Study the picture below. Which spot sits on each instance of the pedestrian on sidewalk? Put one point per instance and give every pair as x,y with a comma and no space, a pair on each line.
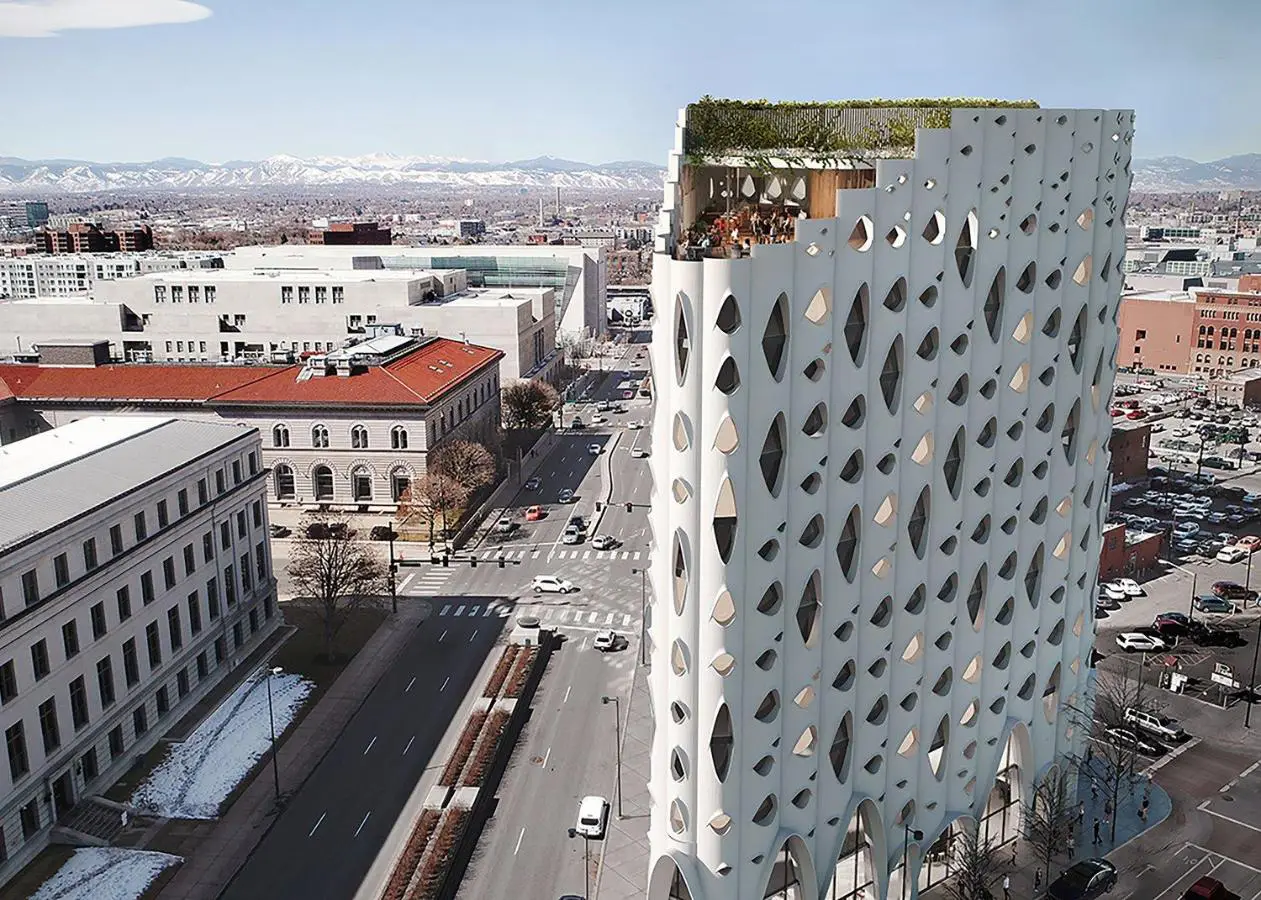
1094,790
1096,840
1107,809
1006,887
1090,753
1081,813
1142,810
1037,880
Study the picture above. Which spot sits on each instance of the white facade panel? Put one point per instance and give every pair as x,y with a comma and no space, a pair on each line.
877,537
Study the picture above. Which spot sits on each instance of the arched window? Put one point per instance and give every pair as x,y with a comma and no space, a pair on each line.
319,437
280,436
359,438
322,481
400,484
283,476
398,438
361,485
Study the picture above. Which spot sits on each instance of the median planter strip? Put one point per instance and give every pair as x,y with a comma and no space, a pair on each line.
405,869
468,738
487,747
433,870
502,668
521,672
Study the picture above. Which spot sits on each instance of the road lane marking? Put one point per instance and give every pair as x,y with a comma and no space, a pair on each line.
409,745
370,743
441,636
567,690
409,684
547,756
1203,807
444,683
473,635
363,823
520,838
406,581
311,833
1165,760
1225,858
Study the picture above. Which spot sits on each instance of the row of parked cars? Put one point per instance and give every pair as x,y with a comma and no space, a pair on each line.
1168,628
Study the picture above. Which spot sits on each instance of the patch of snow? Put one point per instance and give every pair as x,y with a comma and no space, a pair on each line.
105,873
198,774
1122,487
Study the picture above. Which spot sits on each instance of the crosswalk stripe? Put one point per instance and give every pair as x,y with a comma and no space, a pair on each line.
609,619
445,610
626,620
488,611
586,555
591,619
534,555
460,611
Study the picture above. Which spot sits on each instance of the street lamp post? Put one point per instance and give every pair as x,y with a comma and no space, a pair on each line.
1252,679
1194,579
617,736
393,568
643,614
908,833
271,718
586,861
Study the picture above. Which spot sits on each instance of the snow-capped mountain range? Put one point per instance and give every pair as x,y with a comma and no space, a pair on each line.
79,176
1169,174
1162,175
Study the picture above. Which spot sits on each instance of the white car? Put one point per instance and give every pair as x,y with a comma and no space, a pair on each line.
552,584
639,452
566,496
603,542
635,425
1131,587
1231,554
598,419
606,640
571,536
1113,592
593,816
1134,640
593,449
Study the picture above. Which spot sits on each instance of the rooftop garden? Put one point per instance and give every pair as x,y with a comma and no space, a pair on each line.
758,130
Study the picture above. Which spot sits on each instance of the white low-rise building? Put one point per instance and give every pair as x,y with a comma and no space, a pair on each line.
135,573
76,274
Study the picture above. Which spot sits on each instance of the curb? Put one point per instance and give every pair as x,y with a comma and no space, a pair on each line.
604,844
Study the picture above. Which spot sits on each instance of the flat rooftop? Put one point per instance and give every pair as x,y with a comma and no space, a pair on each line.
58,476
1163,296
291,276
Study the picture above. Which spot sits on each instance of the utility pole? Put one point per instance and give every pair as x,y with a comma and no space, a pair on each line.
643,614
271,718
617,736
393,568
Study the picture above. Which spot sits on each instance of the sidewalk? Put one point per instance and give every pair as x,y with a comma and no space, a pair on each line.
218,858
623,869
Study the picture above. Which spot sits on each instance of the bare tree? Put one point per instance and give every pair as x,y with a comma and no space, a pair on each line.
333,574
430,500
1112,749
974,865
1049,819
528,404
467,463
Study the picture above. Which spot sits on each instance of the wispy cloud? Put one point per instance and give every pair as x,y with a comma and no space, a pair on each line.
47,18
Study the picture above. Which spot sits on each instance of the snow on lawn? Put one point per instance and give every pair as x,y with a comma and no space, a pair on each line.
198,774
105,873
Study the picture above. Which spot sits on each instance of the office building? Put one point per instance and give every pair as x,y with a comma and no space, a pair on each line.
36,214
87,237
30,276
578,275
350,428
883,366
135,573
351,233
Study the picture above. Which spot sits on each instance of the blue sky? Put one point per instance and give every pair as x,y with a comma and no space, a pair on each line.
595,81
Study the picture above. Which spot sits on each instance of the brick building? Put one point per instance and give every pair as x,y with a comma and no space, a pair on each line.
88,237
352,233
1129,447
1127,554
1200,332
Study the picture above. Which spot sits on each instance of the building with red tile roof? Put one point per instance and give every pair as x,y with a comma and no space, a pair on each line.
351,428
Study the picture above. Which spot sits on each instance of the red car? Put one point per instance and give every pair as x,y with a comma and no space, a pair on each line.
534,513
1116,413
1207,889
1136,414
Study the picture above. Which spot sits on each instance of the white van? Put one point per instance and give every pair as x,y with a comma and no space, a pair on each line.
593,815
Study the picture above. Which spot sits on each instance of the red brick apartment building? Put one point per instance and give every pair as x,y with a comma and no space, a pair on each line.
352,233
1207,332
85,237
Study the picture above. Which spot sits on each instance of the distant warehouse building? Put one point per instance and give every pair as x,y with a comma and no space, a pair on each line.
135,572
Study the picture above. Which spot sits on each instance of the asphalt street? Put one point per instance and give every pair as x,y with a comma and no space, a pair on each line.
331,830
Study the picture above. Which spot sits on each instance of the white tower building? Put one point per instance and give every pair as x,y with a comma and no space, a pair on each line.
883,363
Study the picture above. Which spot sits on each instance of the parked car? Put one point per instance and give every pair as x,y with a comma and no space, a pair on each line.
1126,738
1171,624
1207,888
1131,587
382,533
566,496
1162,727
639,452
318,531
534,483
1233,590
594,449
1232,554
280,531
1131,641
604,542
1086,880
593,816
1216,637
1249,542
552,584
506,526
534,513
1211,603
1112,592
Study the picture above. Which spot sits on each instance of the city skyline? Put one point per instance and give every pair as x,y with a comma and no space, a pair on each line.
253,109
